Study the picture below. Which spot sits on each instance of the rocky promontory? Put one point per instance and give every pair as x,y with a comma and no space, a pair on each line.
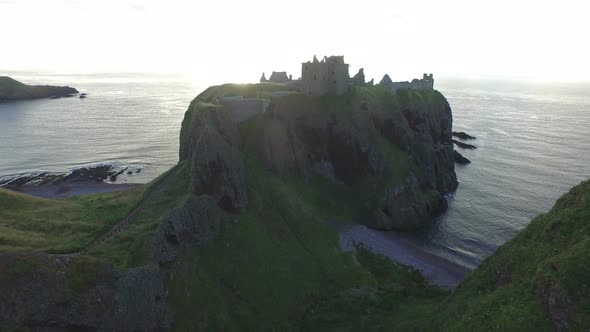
239,235
393,148
11,89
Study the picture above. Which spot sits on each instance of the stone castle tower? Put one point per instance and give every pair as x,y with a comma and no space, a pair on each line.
327,77
428,81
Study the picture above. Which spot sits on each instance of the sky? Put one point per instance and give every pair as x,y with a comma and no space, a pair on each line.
222,40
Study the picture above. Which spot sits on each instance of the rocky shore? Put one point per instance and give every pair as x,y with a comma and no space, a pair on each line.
81,181
435,269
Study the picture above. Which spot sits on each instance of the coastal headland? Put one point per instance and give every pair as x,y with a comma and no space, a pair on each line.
241,233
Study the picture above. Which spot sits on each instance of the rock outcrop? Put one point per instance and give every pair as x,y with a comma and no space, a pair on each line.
408,206
463,135
460,159
464,145
11,89
209,137
49,293
195,223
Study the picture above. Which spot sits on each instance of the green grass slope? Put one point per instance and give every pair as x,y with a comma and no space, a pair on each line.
267,265
11,88
539,281
31,223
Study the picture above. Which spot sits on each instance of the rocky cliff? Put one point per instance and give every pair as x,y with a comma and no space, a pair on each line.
393,148
11,89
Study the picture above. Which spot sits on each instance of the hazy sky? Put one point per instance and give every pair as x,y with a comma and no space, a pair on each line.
225,40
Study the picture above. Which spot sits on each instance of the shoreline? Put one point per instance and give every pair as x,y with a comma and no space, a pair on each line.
436,270
93,179
72,189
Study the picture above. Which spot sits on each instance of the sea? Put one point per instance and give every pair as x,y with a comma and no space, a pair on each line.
533,145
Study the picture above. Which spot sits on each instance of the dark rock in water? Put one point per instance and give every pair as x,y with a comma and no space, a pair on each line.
16,182
82,96
463,135
96,173
195,223
138,170
113,177
459,159
464,145
11,89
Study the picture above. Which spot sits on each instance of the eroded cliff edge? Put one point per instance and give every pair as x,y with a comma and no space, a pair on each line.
394,149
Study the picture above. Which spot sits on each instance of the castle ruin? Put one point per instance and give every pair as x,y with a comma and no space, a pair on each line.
427,82
330,77
326,77
277,77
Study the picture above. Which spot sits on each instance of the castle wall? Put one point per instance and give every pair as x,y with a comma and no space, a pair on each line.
427,82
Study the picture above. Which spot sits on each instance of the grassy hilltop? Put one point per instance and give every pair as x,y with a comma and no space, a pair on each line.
275,264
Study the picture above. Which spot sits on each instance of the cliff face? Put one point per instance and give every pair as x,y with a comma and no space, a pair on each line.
394,149
11,89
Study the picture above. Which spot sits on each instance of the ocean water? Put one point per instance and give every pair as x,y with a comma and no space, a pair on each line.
127,120
533,145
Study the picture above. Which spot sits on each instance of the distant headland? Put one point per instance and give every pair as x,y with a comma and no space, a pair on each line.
11,89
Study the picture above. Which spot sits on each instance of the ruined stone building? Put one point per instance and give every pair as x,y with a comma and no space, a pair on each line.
326,77
330,77
427,82
277,77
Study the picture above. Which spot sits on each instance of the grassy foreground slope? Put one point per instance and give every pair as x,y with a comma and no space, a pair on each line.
539,281
279,260
29,223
